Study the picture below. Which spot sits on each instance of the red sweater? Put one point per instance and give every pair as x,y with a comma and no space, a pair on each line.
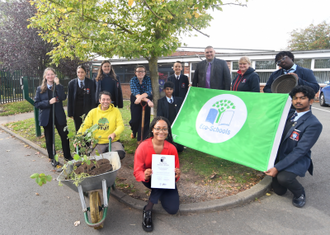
143,157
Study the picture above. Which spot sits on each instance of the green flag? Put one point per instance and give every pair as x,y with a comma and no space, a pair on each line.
242,127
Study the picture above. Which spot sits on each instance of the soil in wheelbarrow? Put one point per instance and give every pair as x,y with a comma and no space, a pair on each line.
95,168
192,187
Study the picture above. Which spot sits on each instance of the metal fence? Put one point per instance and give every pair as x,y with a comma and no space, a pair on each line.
10,86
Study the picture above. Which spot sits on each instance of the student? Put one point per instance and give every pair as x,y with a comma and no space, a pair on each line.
108,80
141,96
294,154
180,81
81,96
159,142
285,61
44,100
169,106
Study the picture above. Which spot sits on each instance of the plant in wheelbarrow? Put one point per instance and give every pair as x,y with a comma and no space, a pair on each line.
95,187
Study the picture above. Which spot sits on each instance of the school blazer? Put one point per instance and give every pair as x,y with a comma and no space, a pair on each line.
89,96
294,154
41,101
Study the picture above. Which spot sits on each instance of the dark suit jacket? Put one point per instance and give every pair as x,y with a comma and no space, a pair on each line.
162,108
294,154
306,77
41,101
220,75
89,96
183,84
117,98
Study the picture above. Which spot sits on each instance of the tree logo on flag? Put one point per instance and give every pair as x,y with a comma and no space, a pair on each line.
221,118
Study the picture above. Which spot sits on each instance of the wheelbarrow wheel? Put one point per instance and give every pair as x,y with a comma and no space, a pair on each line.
95,208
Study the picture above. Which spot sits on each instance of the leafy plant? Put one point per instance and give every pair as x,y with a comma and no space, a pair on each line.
41,179
84,143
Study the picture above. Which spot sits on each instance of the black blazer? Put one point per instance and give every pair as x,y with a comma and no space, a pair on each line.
162,108
41,101
183,84
306,77
117,98
220,75
89,96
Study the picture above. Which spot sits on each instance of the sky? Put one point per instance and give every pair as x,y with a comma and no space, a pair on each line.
263,24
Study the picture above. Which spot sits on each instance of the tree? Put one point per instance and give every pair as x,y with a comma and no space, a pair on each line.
125,28
314,37
21,48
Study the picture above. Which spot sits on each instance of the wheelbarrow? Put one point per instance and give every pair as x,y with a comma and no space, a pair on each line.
92,187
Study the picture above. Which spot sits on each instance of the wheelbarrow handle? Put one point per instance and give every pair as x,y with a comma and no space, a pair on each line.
110,144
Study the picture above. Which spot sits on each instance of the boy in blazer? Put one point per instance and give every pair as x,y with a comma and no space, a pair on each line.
180,81
293,159
169,106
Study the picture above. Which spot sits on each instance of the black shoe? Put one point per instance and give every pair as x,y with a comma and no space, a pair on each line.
299,201
147,221
54,163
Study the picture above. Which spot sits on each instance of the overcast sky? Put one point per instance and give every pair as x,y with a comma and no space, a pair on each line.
263,24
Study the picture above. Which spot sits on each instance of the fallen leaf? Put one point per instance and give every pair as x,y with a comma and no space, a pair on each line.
37,153
37,194
76,223
213,175
33,160
26,145
27,155
8,150
268,194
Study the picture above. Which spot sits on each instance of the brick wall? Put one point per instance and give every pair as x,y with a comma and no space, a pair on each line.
126,91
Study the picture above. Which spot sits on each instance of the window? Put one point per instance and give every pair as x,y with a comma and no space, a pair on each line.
235,66
306,63
322,76
322,63
265,64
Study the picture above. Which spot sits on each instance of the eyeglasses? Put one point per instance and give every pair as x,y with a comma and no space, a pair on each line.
281,60
140,71
160,129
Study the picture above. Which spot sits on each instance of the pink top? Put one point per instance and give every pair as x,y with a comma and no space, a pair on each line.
143,157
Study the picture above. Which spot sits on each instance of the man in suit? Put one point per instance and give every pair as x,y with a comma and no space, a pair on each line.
169,106
285,60
179,80
212,72
293,159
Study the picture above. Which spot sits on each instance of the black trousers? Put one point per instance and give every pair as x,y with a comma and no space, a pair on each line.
136,119
48,131
168,197
77,121
287,180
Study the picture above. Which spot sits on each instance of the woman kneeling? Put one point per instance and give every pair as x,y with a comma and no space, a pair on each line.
159,142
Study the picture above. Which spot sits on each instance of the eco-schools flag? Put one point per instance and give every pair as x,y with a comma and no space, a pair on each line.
242,127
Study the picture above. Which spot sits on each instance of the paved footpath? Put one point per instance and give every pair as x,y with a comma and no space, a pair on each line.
55,209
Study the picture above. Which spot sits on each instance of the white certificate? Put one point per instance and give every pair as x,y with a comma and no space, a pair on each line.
163,171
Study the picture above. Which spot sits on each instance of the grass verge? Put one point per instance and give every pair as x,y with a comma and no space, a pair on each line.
18,107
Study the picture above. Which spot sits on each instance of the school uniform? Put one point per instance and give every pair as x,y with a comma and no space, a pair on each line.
169,108
181,85
81,99
41,101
